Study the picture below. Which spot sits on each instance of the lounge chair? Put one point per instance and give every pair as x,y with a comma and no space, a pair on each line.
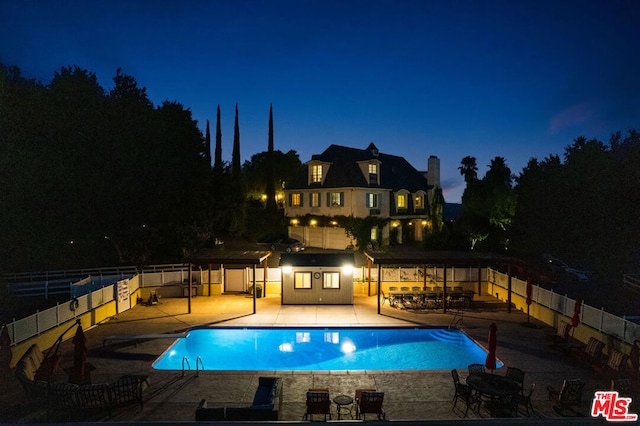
318,402
561,336
476,369
569,395
369,402
614,366
462,391
591,353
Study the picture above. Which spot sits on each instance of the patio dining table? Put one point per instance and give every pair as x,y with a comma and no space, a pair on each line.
427,298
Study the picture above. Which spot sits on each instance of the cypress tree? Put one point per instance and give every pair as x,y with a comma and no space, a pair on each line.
235,158
208,145
270,187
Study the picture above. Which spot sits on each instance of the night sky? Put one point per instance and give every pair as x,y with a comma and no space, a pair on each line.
516,79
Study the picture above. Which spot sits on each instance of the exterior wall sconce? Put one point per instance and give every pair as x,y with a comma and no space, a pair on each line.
294,222
313,222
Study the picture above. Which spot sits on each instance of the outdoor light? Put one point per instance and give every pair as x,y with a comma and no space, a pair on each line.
424,223
313,222
294,221
347,269
347,347
264,197
334,223
395,224
286,347
286,269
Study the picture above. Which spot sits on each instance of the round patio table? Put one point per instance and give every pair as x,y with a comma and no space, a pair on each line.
342,402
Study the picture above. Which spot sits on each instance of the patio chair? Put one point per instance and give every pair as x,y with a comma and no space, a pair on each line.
589,354
506,406
517,375
476,369
462,391
525,399
318,402
614,366
561,335
569,395
369,402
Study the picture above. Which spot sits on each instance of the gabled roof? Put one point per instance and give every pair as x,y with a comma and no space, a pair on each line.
395,172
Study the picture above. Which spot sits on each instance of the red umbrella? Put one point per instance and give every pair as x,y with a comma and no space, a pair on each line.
5,352
490,362
79,357
576,313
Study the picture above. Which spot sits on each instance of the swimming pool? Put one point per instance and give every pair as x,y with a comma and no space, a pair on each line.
388,348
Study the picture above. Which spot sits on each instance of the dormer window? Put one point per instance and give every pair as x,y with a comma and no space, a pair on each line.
402,201
316,173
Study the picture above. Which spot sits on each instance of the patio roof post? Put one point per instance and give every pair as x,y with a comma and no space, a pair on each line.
444,290
369,277
189,277
255,290
379,288
265,273
479,279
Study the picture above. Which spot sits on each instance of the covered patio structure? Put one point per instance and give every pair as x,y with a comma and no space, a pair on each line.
445,259
220,257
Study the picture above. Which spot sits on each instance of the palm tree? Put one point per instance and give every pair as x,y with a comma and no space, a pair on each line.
469,169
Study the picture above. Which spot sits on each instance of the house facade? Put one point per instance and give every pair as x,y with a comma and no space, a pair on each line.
344,182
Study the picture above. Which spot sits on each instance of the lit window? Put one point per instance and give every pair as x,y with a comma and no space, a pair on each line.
419,202
372,201
374,233
402,201
373,169
302,280
296,200
331,280
336,199
315,199
316,173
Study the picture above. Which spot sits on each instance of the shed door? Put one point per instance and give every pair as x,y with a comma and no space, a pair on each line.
234,281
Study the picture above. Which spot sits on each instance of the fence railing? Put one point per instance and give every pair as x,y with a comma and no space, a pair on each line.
33,325
632,281
596,318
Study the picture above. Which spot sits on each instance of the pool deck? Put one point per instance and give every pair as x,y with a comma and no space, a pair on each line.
409,396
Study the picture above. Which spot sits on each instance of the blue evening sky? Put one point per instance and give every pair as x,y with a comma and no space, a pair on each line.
516,79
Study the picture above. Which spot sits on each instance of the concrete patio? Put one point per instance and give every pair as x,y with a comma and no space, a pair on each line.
413,396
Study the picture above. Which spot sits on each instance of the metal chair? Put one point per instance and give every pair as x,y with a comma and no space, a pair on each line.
525,399
462,391
369,402
318,402
476,369
517,375
569,395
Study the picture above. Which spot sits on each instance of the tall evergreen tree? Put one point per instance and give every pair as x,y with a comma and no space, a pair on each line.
235,156
270,187
217,165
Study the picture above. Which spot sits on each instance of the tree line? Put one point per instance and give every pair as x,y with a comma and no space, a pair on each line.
93,177
583,208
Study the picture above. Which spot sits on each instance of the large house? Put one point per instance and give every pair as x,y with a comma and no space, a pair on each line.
344,182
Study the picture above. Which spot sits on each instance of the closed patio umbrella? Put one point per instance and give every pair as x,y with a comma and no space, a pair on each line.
5,353
575,320
79,357
490,362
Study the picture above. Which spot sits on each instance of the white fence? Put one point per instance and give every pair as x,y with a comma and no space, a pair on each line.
598,319
25,328
595,318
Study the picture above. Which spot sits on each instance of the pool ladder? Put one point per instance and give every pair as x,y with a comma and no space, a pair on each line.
460,320
199,363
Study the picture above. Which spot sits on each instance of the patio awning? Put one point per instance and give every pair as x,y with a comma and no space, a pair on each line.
228,257
447,258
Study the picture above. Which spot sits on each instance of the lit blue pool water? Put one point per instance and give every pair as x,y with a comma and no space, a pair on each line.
323,349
